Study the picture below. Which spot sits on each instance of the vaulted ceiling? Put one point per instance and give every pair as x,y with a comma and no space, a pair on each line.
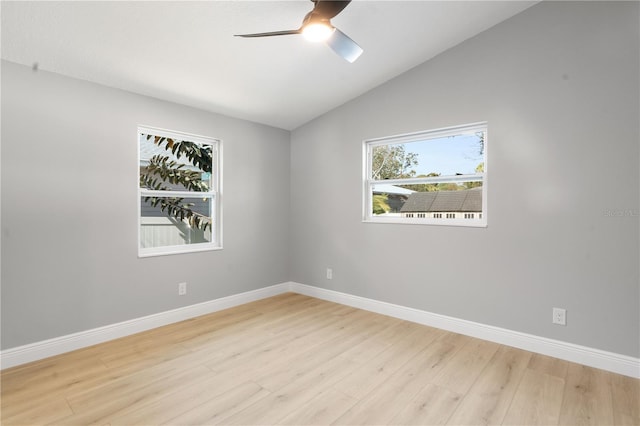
185,52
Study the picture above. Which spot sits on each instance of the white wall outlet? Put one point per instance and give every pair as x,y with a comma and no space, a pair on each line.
560,316
182,289
329,273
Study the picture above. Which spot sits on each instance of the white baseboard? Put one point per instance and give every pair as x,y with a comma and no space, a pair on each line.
46,348
620,364
616,363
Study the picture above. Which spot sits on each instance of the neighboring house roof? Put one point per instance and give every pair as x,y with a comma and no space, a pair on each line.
469,200
384,188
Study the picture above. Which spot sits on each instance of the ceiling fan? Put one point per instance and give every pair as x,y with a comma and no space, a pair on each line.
316,26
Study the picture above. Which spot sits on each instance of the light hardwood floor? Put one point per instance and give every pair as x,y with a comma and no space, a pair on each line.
296,360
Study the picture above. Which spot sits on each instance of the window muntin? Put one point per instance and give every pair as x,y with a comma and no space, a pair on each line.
432,177
179,205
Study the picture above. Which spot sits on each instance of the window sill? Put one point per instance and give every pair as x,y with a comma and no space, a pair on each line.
169,250
467,223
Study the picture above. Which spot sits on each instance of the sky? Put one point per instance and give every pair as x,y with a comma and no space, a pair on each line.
447,155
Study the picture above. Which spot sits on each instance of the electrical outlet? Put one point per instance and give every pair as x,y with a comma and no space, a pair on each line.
329,273
560,316
182,289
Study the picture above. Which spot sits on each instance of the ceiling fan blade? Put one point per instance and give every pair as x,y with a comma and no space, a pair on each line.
270,34
327,9
340,43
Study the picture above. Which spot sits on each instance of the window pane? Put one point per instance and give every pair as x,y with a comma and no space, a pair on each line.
428,177
460,200
171,164
444,156
170,221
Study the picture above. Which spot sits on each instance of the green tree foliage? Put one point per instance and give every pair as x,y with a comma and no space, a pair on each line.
162,172
423,187
198,155
380,204
469,185
392,162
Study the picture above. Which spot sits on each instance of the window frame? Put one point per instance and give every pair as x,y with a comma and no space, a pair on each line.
367,199
214,194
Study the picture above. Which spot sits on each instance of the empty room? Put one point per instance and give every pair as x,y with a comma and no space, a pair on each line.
320,212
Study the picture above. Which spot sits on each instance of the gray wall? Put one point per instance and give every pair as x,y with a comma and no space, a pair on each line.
69,206
558,85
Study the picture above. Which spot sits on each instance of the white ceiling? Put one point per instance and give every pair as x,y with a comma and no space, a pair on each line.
185,52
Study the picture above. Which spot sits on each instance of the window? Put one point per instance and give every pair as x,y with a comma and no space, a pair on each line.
422,177
179,192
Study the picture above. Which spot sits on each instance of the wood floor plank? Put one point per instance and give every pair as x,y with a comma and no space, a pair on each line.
40,412
358,331
226,404
488,399
238,346
280,318
537,400
625,393
174,404
49,376
152,344
293,359
102,404
265,323
432,405
147,372
266,347
407,343
380,338
459,374
587,397
382,404
626,400
275,407
324,409
547,365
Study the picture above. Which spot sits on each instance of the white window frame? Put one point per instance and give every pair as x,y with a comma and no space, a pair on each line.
368,181
215,194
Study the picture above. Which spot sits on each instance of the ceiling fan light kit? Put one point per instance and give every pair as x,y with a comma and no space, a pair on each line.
316,32
316,26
